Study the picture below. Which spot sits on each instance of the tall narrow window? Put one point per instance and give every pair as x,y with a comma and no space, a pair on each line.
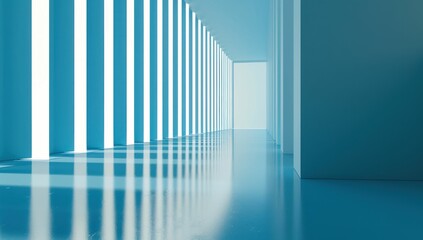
40,79
204,50
180,65
213,80
146,71
187,68
80,81
212,114
199,78
159,69
208,81
130,71
220,86
194,70
170,66
108,73
223,91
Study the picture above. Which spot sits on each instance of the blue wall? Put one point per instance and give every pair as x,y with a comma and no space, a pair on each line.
15,75
165,57
288,76
153,70
239,25
139,71
61,76
119,72
15,79
95,74
361,89
280,82
175,68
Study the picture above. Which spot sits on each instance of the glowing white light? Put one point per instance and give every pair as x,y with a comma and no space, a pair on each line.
220,87
213,87
199,78
159,70
187,69
204,80
130,68
208,81
223,90
108,73
170,64
146,71
194,69
40,79
179,68
80,81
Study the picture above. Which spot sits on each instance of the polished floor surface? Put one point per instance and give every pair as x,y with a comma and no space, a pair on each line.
227,185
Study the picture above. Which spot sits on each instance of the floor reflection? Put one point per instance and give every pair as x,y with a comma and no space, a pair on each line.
80,201
227,185
40,201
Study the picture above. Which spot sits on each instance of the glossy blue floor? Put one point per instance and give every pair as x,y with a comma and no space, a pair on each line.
227,185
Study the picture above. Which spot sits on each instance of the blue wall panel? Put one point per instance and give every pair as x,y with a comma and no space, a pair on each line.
189,131
184,122
61,76
2,80
165,70
15,79
196,78
153,70
119,73
207,83
175,67
279,80
139,71
288,77
95,74
361,89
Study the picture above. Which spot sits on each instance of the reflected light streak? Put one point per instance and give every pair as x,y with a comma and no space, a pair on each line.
186,203
170,193
80,216
108,223
192,177
146,201
40,215
179,185
129,228
159,195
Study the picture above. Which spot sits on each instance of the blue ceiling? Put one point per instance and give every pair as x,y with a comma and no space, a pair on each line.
240,26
